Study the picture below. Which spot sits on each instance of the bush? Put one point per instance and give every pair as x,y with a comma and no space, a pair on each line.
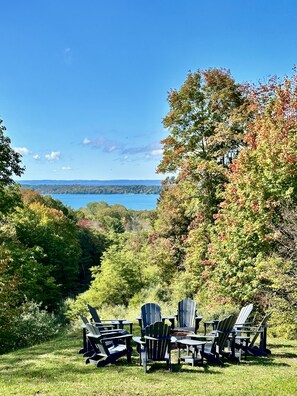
31,325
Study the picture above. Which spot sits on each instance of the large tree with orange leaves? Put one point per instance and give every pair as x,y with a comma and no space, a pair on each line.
262,180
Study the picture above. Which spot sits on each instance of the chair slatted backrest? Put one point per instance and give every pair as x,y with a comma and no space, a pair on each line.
83,318
97,343
150,313
95,316
158,347
260,328
186,312
243,315
224,328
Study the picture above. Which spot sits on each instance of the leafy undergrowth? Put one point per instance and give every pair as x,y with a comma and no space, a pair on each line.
55,368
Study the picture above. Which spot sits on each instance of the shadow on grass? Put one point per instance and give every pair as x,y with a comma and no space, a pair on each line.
286,355
282,346
264,361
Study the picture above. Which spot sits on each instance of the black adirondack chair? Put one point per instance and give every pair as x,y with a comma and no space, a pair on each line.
109,323
215,348
187,319
87,349
259,331
150,313
107,349
103,325
155,345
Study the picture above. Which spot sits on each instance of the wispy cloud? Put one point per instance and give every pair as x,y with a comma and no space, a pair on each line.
36,156
66,168
22,150
53,156
156,152
125,151
68,56
104,144
86,141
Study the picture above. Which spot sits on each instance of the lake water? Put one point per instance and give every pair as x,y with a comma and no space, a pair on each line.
130,201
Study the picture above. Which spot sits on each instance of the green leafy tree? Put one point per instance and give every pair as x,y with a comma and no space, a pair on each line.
49,229
206,124
10,161
10,165
120,275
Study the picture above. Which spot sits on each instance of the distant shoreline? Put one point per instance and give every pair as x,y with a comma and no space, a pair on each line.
115,182
47,189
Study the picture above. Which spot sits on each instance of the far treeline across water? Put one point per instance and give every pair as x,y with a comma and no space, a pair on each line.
92,189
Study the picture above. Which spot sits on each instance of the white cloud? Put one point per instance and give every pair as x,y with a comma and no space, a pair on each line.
54,155
36,156
157,152
22,150
66,168
86,141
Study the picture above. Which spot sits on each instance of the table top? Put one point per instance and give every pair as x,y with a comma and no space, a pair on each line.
189,342
123,321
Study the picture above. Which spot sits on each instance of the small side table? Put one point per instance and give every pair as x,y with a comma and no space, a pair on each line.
120,323
190,357
213,323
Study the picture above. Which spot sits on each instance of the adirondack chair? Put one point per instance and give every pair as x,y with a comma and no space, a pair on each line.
150,313
258,331
241,319
215,348
187,319
87,349
109,323
155,345
243,316
97,321
110,353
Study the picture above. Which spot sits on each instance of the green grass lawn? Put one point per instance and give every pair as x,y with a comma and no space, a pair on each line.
55,368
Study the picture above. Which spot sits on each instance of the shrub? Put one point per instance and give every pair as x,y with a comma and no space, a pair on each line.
31,325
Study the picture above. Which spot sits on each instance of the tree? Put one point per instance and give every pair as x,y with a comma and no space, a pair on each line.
120,275
206,124
49,229
9,160
10,165
262,179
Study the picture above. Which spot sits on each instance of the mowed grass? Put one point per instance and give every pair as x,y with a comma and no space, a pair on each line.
55,368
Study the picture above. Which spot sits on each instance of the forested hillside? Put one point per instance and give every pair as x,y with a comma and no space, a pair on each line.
82,189
223,233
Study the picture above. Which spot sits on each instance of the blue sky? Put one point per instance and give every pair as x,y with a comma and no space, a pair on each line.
83,84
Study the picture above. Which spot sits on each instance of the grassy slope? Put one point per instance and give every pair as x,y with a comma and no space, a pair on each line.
55,368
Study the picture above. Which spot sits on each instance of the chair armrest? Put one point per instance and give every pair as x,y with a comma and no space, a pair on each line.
139,340
202,337
118,337
151,338
110,331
